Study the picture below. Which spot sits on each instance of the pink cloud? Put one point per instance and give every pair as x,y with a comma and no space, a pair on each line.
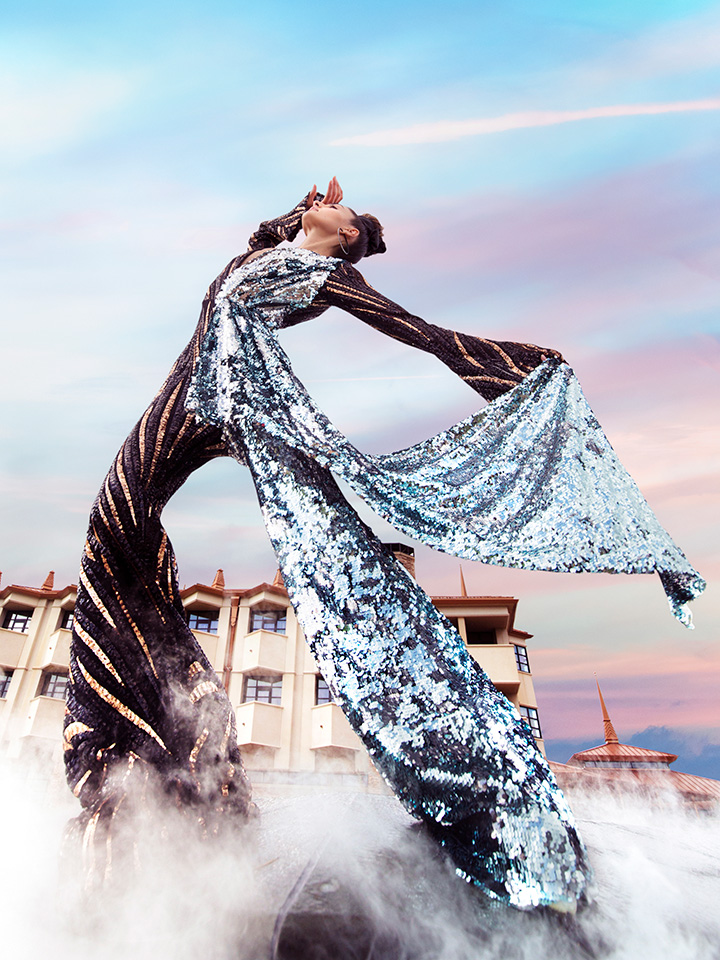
442,131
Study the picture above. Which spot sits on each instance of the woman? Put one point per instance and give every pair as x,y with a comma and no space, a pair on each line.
530,481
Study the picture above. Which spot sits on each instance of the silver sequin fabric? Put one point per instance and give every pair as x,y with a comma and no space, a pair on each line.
530,481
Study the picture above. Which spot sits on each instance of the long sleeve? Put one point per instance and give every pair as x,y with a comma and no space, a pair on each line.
286,227
491,367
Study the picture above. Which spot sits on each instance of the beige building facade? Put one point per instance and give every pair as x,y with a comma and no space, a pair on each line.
294,739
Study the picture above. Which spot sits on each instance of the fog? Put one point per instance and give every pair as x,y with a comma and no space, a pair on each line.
342,876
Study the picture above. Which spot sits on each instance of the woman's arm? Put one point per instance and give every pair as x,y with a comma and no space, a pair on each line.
272,232
491,367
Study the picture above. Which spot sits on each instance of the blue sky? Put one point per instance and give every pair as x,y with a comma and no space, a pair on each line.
143,142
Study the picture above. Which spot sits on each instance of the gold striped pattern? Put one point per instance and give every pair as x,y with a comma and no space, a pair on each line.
202,690
226,738
199,744
98,651
104,516
142,434
496,348
195,667
135,629
73,729
111,501
124,485
160,436
95,598
120,707
186,423
81,783
375,306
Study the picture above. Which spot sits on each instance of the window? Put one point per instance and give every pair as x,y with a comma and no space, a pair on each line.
5,678
521,658
54,685
530,716
273,620
322,691
18,620
66,620
263,689
204,620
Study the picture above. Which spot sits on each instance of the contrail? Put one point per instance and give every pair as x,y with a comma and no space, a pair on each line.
445,130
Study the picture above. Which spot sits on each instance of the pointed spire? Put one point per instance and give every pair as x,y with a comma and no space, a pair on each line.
219,580
463,588
608,728
278,579
49,581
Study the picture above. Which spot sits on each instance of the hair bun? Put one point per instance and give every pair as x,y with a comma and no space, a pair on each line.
375,242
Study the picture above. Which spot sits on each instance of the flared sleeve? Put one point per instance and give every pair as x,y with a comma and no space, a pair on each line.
490,367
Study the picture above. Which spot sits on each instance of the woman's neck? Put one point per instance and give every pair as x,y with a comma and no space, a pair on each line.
326,246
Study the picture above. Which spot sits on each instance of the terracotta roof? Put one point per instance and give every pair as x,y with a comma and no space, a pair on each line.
224,592
692,788
700,791
616,752
37,591
475,601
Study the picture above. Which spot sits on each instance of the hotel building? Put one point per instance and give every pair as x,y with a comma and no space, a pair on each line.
294,739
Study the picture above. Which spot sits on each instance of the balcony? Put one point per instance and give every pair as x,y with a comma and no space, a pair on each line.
263,652
209,644
57,652
330,729
498,662
259,724
45,718
11,647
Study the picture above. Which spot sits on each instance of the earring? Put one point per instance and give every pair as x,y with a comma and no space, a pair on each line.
345,249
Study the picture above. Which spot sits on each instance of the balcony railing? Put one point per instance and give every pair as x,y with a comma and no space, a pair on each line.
209,644
263,652
57,651
45,718
498,662
11,647
330,729
260,724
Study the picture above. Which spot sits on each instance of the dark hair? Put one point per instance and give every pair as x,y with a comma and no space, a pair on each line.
369,239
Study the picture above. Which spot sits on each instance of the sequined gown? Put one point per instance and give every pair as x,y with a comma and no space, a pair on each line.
530,481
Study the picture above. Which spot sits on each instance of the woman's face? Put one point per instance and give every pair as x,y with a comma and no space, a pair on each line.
327,217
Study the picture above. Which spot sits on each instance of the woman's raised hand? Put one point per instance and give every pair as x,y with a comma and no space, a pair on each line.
334,193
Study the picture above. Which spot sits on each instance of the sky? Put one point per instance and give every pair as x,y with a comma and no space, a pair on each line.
545,172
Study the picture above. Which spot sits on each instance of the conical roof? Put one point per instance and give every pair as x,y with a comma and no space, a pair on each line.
613,753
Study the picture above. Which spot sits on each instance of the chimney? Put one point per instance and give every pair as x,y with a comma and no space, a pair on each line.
49,581
219,580
404,555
